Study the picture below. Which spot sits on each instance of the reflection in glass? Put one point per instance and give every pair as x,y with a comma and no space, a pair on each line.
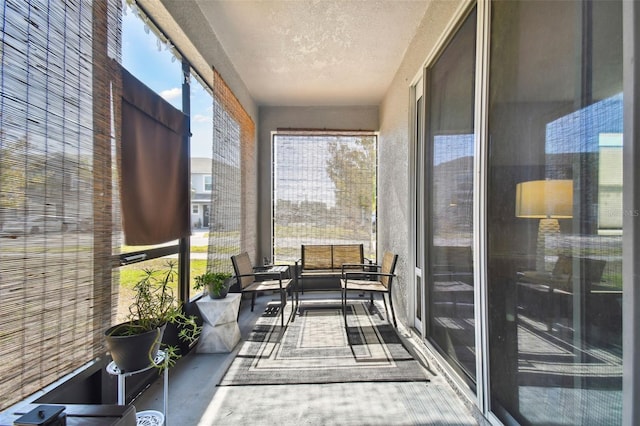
450,94
555,124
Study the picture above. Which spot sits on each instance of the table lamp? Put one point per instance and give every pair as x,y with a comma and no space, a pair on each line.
547,200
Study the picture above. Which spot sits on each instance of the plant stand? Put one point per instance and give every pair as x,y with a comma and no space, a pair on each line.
146,417
220,330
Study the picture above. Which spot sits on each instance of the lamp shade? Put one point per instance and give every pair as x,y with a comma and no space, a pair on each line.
540,199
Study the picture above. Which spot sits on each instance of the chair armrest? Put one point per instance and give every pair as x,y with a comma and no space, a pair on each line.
268,274
376,274
244,275
259,274
277,275
359,265
274,274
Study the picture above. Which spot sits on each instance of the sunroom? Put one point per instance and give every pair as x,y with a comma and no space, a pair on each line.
490,145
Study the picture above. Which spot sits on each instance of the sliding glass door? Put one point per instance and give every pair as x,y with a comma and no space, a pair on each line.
554,211
449,191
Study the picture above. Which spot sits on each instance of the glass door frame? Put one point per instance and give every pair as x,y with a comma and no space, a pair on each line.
416,302
631,226
418,203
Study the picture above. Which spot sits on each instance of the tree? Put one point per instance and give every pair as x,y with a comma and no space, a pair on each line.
13,182
351,166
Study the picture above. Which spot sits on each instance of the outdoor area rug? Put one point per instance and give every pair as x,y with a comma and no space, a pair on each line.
315,349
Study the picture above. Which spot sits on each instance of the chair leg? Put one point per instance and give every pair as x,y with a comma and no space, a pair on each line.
292,316
384,302
344,305
393,314
283,303
295,301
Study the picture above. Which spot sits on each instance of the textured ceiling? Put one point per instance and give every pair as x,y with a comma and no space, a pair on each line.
324,52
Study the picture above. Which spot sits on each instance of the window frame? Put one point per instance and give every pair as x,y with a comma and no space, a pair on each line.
319,133
206,178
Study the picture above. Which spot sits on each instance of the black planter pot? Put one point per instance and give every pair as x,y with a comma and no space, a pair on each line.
133,352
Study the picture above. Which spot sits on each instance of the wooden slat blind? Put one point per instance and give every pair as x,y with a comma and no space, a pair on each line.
324,190
233,206
54,147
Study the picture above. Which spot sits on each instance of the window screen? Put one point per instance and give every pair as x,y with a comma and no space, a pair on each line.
324,192
233,201
55,188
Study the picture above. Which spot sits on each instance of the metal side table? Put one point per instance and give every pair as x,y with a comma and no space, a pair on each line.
146,417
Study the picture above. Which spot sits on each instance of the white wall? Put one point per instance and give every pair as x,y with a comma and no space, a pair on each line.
393,173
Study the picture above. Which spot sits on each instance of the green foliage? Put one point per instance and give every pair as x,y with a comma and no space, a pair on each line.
215,281
13,180
154,304
352,170
131,274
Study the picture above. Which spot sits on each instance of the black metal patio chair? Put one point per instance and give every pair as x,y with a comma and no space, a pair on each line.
376,279
247,275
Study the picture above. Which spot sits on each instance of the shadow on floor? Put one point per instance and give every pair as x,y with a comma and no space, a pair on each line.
195,398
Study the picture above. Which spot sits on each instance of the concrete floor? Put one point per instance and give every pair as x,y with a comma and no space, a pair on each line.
195,398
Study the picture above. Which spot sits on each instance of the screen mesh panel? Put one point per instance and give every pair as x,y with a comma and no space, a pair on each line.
55,188
233,195
324,191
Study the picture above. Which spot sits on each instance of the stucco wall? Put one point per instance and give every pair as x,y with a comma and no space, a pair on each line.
319,118
394,146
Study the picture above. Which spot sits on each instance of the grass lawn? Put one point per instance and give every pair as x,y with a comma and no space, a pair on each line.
131,274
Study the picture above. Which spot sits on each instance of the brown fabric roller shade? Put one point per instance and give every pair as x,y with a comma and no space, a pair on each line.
154,168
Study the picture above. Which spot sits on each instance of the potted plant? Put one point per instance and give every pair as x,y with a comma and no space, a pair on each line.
217,283
134,344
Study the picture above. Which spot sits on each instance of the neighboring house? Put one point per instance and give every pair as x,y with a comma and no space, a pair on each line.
201,188
211,208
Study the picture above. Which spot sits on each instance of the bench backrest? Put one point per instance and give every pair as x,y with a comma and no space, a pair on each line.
330,256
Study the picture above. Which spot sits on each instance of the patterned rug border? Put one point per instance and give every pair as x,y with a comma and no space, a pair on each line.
372,351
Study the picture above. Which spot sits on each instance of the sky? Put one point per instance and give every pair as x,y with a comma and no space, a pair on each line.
151,62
